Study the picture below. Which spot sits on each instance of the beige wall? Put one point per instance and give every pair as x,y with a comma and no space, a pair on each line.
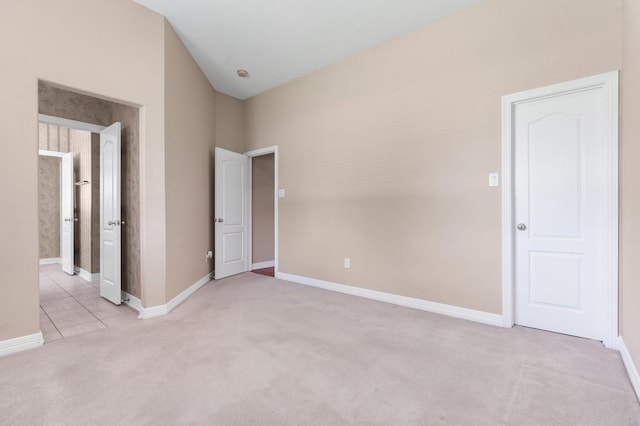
190,133
122,58
262,208
230,133
629,178
49,206
385,156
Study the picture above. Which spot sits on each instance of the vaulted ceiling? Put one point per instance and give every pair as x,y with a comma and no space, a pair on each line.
277,41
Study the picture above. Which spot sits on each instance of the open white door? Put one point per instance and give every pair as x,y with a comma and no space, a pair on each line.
110,220
231,213
66,213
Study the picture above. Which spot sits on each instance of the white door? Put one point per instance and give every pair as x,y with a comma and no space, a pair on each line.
110,220
66,213
231,213
560,205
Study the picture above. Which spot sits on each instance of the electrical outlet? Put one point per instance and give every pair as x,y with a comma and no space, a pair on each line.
347,262
209,255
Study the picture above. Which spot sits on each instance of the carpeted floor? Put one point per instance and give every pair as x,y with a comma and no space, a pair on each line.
254,350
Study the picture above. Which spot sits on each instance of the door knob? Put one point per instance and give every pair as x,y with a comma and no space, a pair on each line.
521,226
112,222
218,220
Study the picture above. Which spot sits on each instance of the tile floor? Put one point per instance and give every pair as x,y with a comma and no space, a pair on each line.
70,305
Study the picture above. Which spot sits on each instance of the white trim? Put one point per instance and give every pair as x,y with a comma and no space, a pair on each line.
634,377
22,343
256,153
184,295
152,312
48,153
50,261
132,301
156,311
261,265
609,83
409,302
249,252
72,124
86,275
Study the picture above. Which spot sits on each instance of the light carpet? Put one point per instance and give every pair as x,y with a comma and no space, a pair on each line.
253,350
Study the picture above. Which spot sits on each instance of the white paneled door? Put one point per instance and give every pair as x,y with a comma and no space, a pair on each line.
67,213
231,213
110,214
560,179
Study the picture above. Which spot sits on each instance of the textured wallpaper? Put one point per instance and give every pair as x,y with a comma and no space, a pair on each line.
95,202
128,116
49,206
74,106
81,147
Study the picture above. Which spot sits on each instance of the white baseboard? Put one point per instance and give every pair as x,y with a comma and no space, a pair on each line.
18,344
132,301
260,265
51,261
409,302
156,311
176,301
143,313
86,275
631,368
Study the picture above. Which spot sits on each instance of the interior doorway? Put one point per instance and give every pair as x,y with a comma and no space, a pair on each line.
69,186
71,122
246,235
264,199
263,214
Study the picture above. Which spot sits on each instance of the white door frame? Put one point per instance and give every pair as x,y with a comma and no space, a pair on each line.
71,124
609,83
257,153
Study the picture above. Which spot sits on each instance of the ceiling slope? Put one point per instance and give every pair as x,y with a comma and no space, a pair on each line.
277,41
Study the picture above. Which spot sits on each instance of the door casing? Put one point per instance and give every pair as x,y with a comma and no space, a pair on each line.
609,83
257,153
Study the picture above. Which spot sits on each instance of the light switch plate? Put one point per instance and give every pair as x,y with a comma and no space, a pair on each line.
494,179
281,193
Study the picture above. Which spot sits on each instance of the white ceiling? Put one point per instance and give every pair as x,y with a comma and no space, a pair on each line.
280,40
